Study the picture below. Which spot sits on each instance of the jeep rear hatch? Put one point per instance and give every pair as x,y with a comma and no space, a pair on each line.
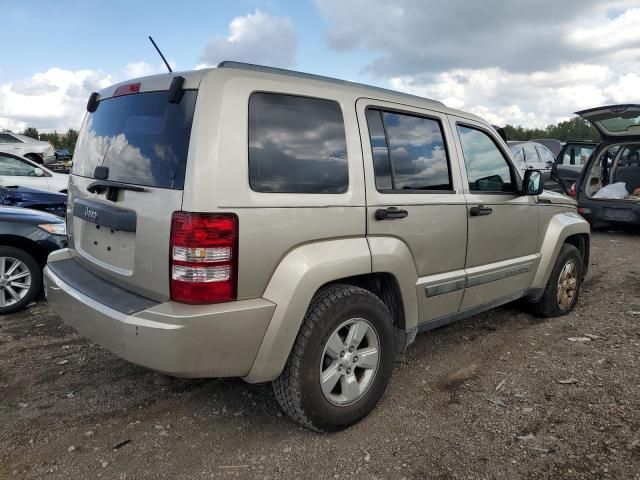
127,180
614,121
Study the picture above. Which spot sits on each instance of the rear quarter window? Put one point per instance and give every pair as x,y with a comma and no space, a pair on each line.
296,145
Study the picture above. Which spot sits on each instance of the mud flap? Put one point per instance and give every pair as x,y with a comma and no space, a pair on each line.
404,338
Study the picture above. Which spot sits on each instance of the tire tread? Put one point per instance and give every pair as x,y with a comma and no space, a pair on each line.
546,306
287,386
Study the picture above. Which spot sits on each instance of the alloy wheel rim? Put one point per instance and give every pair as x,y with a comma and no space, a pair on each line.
567,285
15,281
349,362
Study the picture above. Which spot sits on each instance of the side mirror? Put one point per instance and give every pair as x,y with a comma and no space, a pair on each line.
532,183
39,172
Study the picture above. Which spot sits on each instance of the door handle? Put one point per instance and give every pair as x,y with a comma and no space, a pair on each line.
390,213
480,211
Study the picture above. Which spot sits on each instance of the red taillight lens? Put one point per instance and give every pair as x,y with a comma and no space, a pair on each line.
127,89
572,190
203,257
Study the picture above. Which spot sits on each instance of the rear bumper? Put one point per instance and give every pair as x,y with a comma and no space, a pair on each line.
614,211
180,340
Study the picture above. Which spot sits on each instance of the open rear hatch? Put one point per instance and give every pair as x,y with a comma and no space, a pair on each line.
568,164
614,122
127,180
613,176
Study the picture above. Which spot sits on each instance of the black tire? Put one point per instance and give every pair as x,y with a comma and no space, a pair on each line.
298,388
548,305
36,278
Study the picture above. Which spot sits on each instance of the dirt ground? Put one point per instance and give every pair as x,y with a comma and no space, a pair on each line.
501,395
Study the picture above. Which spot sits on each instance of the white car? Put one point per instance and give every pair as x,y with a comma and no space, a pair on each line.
15,170
35,150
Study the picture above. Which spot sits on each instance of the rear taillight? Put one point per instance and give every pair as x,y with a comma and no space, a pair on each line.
203,257
572,190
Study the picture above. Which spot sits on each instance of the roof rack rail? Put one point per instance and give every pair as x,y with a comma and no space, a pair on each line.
321,78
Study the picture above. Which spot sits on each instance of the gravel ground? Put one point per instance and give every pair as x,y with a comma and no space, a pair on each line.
501,395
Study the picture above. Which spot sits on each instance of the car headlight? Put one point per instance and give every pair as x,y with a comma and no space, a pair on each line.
54,228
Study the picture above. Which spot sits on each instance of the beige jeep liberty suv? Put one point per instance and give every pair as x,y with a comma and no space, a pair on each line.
246,221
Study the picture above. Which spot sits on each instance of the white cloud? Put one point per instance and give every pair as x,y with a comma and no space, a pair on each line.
410,37
255,38
535,100
516,62
617,33
54,99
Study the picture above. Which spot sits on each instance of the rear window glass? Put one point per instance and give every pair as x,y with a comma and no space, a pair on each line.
296,145
6,138
620,124
142,138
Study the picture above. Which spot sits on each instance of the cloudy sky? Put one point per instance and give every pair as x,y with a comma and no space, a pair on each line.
523,62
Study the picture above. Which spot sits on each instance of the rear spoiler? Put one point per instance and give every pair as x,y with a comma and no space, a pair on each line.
175,93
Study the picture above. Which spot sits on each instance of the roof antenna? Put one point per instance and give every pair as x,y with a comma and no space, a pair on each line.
161,55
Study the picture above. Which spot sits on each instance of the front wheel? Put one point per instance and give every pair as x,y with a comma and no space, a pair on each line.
20,279
563,288
341,360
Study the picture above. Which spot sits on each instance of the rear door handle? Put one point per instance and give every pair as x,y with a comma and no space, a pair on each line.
390,213
480,211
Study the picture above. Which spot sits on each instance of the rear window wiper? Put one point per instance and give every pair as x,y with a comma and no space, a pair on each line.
112,188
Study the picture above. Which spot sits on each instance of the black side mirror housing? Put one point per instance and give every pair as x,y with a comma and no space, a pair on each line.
533,183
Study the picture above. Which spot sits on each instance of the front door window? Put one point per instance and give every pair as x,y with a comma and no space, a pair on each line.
487,169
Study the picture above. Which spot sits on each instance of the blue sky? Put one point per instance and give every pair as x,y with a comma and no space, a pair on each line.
106,35
518,62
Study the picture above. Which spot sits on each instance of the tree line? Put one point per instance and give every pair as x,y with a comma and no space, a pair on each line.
574,129
58,140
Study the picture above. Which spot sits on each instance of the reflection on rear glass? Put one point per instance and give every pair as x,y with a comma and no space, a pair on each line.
142,138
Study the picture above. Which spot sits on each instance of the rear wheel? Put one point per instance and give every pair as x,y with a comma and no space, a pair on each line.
563,288
341,361
20,279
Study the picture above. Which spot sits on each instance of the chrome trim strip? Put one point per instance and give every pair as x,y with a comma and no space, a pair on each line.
445,287
473,280
482,278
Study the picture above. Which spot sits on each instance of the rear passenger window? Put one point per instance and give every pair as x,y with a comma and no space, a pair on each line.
296,145
487,168
530,155
545,155
408,152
